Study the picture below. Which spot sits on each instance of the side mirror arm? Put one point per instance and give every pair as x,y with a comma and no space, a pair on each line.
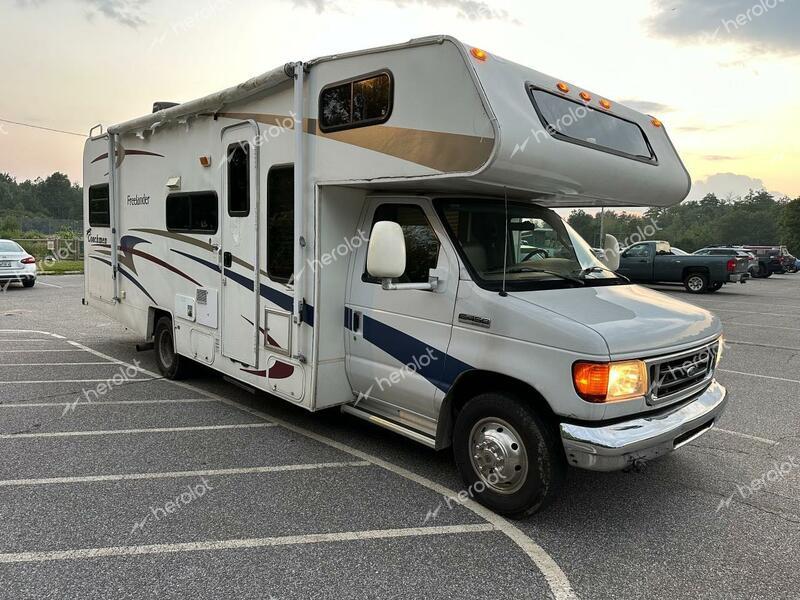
436,277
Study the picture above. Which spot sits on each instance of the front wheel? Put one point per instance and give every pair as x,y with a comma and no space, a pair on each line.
171,364
696,283
509,459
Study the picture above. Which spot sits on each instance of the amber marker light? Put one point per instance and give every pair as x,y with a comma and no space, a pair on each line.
562,87
656,122
585,96
610,382
205,161
605,104
479,54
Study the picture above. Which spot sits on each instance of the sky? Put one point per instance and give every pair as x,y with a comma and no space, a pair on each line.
723,75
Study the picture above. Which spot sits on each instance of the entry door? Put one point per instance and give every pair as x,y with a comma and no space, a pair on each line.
238,254
397,340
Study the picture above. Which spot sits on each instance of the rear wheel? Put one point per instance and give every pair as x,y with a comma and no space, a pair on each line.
171,364
696,283
29,283
509,459
714,287
762,271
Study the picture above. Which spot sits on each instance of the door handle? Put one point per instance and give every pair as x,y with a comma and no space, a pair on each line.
356,321
227,259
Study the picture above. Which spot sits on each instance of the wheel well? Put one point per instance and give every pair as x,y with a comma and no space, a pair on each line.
476,382
689,270
153,315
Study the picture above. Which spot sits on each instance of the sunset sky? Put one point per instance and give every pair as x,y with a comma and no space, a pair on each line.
724,75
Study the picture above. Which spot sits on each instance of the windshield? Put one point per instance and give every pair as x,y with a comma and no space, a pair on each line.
528,246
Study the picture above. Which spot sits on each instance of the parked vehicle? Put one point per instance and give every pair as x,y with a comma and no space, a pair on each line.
752,261
770,259
654,262
678,252
354,231
789,263
16,265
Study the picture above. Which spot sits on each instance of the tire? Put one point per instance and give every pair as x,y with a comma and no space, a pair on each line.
714,287
171,364
762,271
29,283
696,283
517,438
768,274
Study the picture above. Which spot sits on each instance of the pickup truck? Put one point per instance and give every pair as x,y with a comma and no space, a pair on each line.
653,261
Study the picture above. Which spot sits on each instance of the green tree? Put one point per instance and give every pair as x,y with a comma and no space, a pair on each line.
790,226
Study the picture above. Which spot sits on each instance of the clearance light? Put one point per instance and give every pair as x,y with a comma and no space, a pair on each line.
562,87
656,122
605,104
610,382
479,54
205,161
585,96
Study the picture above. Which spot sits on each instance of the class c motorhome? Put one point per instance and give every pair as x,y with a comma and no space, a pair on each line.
375,231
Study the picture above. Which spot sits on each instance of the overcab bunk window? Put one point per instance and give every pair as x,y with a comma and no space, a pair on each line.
280,223
579,123
359,102
239,179
99,214
193,212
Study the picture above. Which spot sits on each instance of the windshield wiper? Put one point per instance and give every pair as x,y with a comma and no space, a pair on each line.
553,273
596,268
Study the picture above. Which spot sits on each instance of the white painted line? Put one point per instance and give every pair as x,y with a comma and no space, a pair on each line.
738,343
107,380
745,436
727,323
748,312
42,350
47,333
179,474
101,403
49,434
53,285
731,303
115,364
556,578
290,540
25,340
761,376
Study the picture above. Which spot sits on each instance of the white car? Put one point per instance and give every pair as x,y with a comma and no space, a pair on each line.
16,265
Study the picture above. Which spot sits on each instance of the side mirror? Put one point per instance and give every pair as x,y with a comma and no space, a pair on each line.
386,253
611,248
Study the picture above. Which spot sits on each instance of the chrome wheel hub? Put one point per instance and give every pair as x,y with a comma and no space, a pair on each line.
695,283
498,455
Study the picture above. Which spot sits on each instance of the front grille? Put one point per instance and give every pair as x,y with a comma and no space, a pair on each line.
680,375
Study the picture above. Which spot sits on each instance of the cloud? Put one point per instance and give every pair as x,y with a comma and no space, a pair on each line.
725,185
766,25
467,9
646,106
125,12
716,157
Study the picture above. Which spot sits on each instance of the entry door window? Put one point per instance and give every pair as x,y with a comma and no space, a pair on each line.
239,179
422,245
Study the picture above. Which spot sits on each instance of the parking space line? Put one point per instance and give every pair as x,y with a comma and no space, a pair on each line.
179,474
39,381
78,364
557,580
747,312
42,350
739,343
102,403
25,340
48,434
289,540
761,376
746,436
758,325
52,285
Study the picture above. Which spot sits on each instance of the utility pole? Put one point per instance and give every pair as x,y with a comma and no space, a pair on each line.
602,228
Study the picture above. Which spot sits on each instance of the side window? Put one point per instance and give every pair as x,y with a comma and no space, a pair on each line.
638,251
239,180
356,103
99,212
192,212
280,223
702,252
422,245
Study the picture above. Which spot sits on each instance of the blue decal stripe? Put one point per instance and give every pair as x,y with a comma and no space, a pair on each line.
128,276
210,265
240,279
441,370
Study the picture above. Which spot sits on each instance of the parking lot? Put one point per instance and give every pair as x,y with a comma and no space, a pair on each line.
117,483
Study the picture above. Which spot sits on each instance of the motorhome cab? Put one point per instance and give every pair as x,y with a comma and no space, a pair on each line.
375,231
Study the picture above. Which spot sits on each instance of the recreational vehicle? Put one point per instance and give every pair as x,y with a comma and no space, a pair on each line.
376,231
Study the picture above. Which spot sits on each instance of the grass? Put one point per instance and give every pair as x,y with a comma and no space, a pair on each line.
60,266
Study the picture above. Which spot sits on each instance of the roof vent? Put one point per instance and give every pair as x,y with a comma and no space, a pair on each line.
157,106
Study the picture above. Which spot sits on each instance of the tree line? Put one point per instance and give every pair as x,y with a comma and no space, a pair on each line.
758,219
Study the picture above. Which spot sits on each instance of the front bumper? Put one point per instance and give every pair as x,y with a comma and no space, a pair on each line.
615,447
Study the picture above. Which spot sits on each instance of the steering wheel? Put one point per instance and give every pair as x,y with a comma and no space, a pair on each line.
534,252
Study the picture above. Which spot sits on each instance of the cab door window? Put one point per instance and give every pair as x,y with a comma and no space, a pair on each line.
422,245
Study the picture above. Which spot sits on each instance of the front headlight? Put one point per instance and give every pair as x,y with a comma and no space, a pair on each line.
610,382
